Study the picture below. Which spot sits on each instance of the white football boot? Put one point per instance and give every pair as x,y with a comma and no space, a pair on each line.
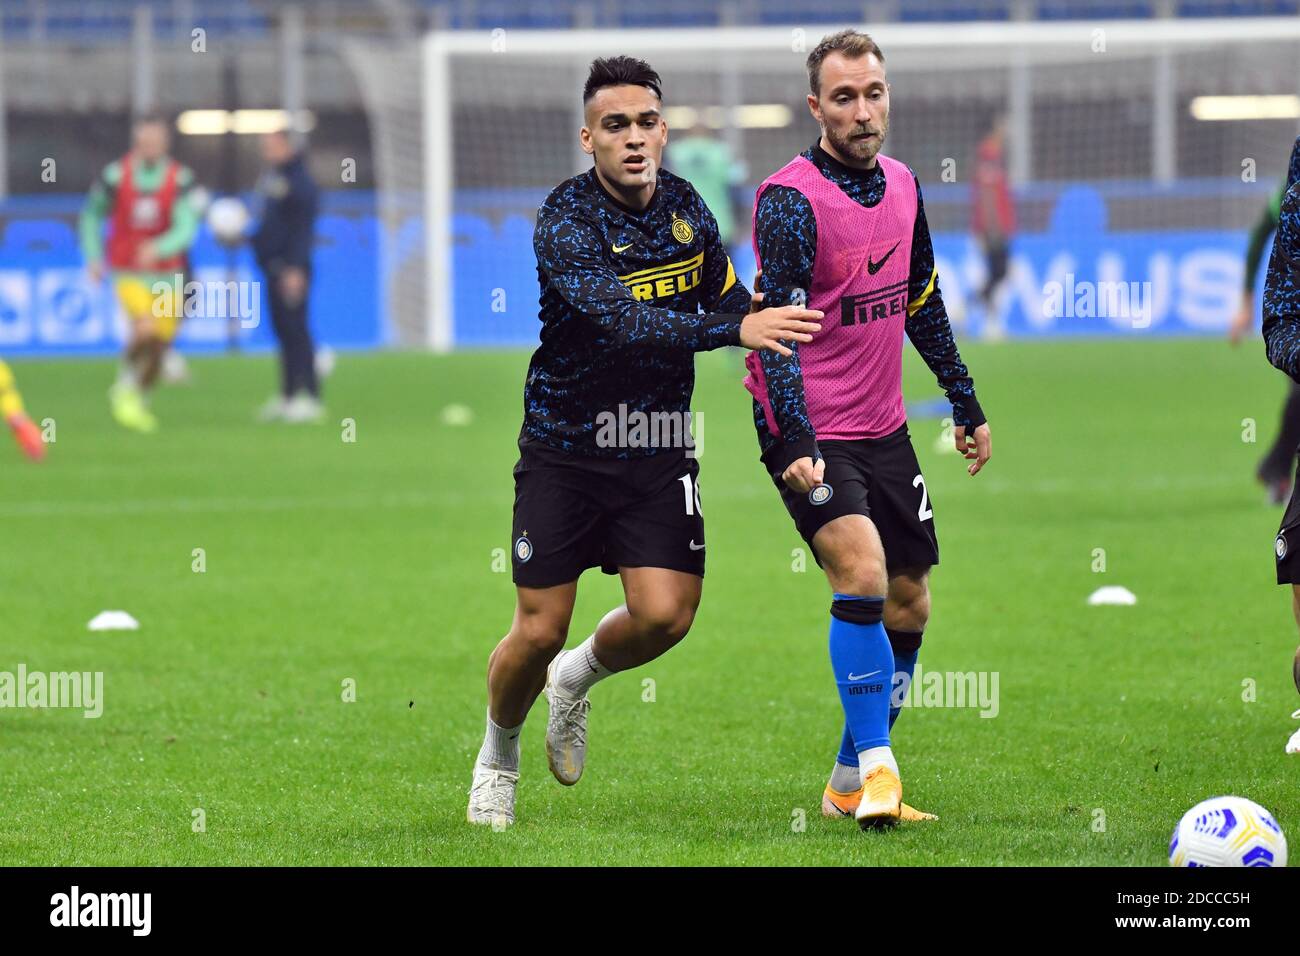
1293,745
273,409
303,409
566,730
492,797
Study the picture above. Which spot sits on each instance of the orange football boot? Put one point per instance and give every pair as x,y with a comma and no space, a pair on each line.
882,799
28,436
836,804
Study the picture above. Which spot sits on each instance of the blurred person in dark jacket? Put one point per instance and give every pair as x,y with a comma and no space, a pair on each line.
283,247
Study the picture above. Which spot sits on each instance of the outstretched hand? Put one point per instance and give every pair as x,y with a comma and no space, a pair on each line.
979,448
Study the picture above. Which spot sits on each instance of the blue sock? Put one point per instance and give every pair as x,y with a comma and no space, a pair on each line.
863,663
907,646
848,755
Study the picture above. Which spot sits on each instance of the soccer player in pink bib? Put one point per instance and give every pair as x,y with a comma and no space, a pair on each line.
842,228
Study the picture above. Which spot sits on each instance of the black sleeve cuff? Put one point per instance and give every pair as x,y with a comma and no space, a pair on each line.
800,446
723,329
968,413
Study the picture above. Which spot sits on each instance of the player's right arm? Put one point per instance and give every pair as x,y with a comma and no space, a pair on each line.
571,252
786,231
1282,290
90,225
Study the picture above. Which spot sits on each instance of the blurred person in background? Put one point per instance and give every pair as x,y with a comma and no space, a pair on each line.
25,431
1274,469
283,247
138,223
706,162
993,219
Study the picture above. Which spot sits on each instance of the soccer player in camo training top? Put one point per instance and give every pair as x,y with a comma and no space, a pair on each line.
1282,343
842,227
1274,469
634,281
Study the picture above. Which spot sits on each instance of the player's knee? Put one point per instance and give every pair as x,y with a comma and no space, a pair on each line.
908,606
666,620
859,574
541,635
853,559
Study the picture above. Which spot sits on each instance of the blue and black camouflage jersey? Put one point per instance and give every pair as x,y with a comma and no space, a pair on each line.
1282,281
787,244
627,298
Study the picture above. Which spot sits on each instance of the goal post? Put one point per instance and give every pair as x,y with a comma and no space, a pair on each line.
1108,104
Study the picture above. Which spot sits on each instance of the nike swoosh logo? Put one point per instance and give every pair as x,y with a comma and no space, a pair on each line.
629,246
863,676
874,267
696,547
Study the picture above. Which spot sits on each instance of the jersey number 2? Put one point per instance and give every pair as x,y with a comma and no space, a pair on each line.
924,512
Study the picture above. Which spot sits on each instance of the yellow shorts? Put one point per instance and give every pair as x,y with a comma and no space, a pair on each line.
145,309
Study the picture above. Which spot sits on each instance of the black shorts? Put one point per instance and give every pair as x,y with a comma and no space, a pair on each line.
574,512
876,477
1287,546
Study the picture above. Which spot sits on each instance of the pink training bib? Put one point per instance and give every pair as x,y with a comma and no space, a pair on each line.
853,367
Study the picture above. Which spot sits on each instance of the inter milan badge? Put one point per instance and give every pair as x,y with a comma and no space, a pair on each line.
682,230
820,495
523,550
1280,546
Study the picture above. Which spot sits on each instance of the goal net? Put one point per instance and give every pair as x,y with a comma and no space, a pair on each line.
1137,150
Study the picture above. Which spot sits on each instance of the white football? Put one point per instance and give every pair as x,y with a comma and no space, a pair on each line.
228,220
1227,831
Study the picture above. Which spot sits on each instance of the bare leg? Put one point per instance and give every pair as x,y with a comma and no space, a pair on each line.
660,608
149,362
517,666
907,604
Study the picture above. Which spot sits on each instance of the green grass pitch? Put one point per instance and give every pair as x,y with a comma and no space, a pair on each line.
373,561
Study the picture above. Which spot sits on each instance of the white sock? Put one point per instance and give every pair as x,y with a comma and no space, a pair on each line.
845,778
126,377
500,746
578,670
873,757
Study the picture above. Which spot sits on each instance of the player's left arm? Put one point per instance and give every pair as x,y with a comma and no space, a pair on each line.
720,289
1282,290
185,219
931,333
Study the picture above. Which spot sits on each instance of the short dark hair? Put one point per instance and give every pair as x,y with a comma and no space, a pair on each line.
620,71
851,43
